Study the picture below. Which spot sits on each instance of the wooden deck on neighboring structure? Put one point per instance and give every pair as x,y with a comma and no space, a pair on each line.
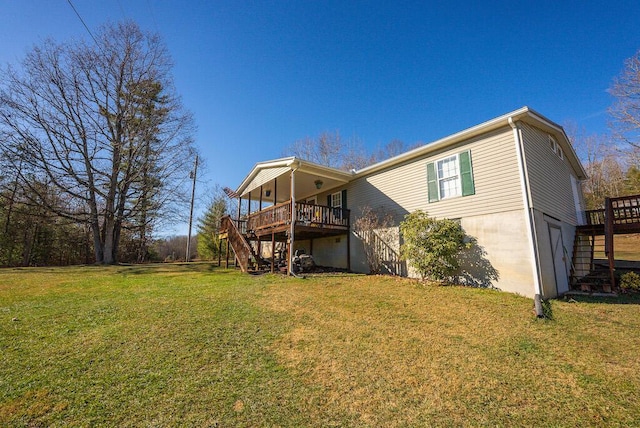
620,215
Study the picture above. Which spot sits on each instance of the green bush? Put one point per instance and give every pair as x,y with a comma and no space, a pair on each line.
630,281
431,246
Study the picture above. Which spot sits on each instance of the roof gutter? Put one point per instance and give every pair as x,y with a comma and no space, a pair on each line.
444,142
527,200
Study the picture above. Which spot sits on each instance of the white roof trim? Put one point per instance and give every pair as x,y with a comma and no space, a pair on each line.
524,113
292,163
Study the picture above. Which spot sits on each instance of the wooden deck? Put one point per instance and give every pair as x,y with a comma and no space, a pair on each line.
619,216
274,224
311,221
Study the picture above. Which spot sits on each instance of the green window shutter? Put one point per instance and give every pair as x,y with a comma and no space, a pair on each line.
344,198
329,200
432,182
466,174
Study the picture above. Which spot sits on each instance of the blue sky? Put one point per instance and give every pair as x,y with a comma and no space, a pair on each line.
259,75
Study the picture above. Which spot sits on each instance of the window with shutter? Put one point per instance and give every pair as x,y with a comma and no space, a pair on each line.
450,177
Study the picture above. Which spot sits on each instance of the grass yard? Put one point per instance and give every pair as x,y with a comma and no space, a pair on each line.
627,247
176,345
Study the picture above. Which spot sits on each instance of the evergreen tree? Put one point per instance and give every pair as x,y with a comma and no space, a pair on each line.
209,226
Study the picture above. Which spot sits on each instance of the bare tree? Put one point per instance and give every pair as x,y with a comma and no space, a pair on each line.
379,239
603,163
326,149
102,125
626,109
355,156
330,149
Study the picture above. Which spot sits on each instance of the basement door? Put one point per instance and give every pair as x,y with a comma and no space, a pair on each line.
559,259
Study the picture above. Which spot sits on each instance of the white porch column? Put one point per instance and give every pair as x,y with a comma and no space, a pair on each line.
293,219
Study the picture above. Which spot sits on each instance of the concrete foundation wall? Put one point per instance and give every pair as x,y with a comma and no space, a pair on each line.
330,251
499,258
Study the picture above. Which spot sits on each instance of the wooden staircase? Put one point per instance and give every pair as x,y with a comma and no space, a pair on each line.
594,241
245,254
586,273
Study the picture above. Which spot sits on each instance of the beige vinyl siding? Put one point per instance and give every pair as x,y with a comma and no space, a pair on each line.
549,176
265,176
403,189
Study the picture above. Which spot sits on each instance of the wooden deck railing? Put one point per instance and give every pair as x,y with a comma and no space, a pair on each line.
306,215
624,210
273,216
320,215
619,215
595,217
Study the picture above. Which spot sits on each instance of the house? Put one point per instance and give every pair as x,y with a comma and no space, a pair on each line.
513,182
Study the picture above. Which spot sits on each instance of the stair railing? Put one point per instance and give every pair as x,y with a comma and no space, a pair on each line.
239,244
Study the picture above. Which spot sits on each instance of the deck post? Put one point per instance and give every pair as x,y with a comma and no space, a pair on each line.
293,221
227,262
608,239
273,251
275,191
260,210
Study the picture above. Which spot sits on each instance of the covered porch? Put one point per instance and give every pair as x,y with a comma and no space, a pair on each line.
282,202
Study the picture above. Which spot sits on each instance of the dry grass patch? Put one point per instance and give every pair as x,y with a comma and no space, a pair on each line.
390,352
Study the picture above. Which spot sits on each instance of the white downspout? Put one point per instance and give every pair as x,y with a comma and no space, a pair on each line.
526,198
293,219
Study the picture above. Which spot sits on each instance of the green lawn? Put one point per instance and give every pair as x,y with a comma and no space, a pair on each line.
173,345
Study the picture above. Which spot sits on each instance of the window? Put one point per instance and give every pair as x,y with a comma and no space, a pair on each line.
450,177
336,200
555,147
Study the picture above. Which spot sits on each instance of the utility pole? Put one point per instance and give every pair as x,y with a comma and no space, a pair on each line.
192,175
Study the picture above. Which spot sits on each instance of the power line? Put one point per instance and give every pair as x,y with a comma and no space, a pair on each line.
82,20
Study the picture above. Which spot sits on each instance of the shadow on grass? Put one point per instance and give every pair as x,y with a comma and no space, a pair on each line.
172,267
620,299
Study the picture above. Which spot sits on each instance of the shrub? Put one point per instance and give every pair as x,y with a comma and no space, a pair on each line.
431,246
630,281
